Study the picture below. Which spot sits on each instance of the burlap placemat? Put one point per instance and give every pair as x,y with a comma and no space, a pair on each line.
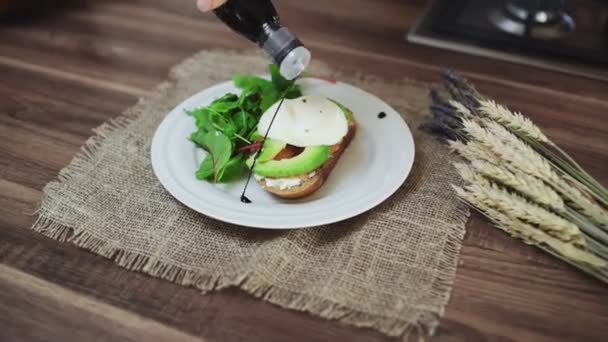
390,269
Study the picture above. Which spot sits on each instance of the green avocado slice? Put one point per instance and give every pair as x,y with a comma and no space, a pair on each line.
309,160
256,136
270,150
346,111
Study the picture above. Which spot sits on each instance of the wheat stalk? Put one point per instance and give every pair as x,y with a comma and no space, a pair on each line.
514,121
473,151
581,202
489,165
528,233
525,184
518,154
577,197
528,131
492,195
512,151
466,113
539,192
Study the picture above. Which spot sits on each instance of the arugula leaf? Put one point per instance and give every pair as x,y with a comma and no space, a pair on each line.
230,97
205,170
224,106
268,99
219,147
290,88
252,82
280,83
241,121
203,119
252,121
250,104
269,92
197,138
222,123
233,169
293,92
230,128
255,135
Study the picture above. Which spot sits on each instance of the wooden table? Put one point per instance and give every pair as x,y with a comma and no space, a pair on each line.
65,73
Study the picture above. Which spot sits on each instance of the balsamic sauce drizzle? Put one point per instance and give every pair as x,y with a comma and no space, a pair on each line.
244,198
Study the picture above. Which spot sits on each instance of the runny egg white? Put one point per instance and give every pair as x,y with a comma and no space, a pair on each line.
305,121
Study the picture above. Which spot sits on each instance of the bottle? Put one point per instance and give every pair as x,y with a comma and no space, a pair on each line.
258,21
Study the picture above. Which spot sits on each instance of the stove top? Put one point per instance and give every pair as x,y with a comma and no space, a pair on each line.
568,36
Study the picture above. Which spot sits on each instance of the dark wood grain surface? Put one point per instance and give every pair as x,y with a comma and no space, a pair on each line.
66,72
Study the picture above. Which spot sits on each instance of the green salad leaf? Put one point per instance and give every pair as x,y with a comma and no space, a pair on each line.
252,82
219,147
278,80
206,169
230,123
234,168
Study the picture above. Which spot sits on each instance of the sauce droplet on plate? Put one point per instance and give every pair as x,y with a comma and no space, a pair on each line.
381,115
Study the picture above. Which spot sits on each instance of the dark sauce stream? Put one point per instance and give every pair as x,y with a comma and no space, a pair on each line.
244,198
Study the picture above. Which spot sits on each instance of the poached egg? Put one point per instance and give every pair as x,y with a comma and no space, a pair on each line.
305,121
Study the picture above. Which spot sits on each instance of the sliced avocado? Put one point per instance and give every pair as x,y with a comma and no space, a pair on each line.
270,150
256,136
309,160
346,111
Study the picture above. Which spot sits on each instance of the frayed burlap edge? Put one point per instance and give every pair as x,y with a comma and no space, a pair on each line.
423,327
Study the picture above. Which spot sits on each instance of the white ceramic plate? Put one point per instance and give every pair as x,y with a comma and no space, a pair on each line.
374,166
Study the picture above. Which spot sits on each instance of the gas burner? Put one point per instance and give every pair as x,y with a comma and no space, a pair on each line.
533,32
521,18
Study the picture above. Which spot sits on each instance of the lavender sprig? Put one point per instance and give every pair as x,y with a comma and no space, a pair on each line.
446,121
461,90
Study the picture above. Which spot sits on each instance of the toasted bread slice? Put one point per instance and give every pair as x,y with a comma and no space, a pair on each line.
311,184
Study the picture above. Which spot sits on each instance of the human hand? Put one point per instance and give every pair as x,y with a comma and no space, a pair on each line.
208,5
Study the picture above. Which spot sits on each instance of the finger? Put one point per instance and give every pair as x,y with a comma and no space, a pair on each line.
208,5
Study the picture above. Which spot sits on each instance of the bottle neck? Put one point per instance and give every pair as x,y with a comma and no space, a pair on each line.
277,41
285,50
258,21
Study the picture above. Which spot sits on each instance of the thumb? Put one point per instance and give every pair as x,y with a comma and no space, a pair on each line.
208,5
